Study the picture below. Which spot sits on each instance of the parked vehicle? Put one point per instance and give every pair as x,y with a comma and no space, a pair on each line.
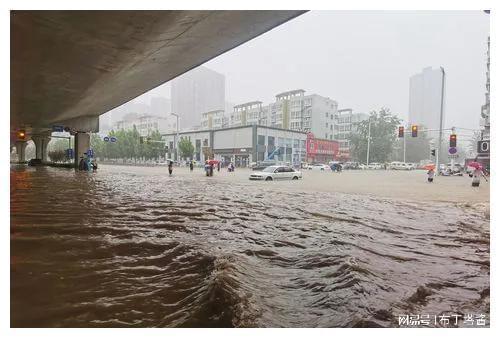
375,165
276,172
401,166
319,166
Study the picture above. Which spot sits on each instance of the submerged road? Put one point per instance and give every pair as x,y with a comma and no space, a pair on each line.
132,247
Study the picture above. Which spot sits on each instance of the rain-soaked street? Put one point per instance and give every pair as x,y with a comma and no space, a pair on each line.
132,247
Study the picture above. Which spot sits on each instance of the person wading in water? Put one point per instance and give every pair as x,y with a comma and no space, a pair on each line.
170,168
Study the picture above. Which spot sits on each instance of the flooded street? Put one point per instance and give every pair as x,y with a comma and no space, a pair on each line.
132,247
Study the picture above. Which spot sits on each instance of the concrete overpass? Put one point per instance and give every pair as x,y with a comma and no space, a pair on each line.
69,67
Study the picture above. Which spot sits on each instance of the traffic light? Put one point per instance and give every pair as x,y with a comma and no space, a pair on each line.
401,131
21,134
414,131
433,152
453,140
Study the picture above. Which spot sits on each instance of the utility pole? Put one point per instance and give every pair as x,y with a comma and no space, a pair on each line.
438,148
176,138
369,138
404,148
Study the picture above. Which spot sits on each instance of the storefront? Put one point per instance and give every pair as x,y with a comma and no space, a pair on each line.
246,144
321,150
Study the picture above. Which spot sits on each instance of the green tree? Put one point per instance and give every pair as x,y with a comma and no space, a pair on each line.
57,155
58,144
186,148
382,125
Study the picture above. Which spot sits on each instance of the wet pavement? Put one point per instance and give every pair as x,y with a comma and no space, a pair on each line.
132,247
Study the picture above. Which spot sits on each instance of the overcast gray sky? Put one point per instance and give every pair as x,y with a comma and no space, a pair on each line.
363,59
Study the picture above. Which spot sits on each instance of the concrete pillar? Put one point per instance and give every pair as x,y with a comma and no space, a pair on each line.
21,150
82,144
41,143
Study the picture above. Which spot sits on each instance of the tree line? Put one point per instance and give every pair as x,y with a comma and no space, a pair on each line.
385,145
128,145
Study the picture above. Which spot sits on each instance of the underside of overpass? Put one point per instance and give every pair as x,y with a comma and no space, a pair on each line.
69,67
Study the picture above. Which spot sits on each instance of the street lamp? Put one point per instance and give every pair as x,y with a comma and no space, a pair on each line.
176,137
438,148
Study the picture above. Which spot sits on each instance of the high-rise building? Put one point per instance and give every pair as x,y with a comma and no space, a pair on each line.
485,109
427,91
196,92
160,106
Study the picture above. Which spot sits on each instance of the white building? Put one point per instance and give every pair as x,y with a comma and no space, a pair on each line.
198,91
345,125
146,124
427,91
243,145
248,113
215,119
292,110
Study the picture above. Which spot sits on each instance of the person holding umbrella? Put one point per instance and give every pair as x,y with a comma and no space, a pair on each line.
477,173
430,172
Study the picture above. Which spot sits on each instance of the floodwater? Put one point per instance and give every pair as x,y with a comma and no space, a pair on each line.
129,247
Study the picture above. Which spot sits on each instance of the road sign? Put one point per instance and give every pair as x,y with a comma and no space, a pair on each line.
452,155
69,153
452,150
106,139
58,129
483,147
90,153
113,139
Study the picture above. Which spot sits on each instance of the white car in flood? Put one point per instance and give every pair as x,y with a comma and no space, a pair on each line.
320,167
276,172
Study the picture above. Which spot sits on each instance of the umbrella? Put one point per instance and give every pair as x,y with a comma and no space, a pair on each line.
430,166
475,165
213,162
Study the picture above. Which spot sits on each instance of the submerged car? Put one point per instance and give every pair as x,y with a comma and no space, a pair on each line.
276,172
262,165
320,167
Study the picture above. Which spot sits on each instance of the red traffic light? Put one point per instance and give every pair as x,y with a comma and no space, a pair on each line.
453,140
414,131
401,131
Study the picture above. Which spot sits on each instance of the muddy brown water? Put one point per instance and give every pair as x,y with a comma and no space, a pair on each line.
138,249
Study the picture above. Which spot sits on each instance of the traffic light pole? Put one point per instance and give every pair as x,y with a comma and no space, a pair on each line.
404,148
369,137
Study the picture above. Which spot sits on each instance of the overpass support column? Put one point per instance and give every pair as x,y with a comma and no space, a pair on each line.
82,144
41,143
21,150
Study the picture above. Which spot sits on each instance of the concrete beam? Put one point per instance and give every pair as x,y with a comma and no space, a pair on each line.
70,64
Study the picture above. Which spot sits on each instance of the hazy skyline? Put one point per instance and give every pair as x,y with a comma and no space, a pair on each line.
363,60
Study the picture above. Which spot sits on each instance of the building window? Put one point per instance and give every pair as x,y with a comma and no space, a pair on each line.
326,114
